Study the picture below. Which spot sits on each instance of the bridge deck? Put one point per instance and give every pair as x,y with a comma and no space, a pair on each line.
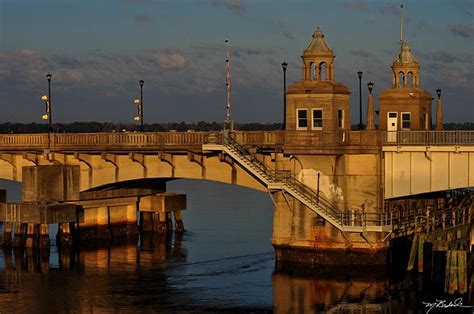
291,141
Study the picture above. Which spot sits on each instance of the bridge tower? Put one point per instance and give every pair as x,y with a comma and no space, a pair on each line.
405,106
318,101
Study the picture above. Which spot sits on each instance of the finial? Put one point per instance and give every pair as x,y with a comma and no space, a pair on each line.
401,24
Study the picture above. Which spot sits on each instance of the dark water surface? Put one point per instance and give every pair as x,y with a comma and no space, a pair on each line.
223,262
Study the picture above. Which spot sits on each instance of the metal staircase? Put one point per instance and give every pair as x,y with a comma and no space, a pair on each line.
285,181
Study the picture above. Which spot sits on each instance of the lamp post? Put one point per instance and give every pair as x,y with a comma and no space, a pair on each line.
360,100
370,85
370,108
49,107
284,65
139,103
439,111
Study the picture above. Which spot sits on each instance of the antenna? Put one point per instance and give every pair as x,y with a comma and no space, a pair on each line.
228,122
401,24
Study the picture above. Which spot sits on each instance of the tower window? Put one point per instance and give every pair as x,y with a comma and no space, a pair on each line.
317,119
340,118
322,71
406,120
302,119
410,79
401,81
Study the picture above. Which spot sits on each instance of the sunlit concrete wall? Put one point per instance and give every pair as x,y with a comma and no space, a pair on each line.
420,169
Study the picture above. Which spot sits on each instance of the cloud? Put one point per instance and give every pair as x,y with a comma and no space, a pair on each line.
358,5
236,50
446,56
423,25
464,7
363,54
135,1
171,61
235,6
288,35
388,8
463,30
144,18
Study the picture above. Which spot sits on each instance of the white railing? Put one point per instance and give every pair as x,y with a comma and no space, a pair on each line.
401,138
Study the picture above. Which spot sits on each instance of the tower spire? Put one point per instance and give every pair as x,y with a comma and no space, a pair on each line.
401,25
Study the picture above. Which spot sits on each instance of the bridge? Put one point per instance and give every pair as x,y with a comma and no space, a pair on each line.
333,188
414,162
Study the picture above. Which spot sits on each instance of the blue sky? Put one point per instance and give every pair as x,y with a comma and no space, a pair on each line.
98,50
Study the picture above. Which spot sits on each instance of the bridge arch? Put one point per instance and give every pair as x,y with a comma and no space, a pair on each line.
97,171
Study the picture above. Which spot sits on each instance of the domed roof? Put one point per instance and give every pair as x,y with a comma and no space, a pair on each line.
405,56
318,44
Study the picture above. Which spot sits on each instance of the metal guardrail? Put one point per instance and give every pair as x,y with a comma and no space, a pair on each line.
401,138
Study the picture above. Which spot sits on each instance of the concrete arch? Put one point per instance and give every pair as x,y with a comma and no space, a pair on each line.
97,171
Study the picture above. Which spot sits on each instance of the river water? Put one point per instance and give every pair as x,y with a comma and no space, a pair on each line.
224,262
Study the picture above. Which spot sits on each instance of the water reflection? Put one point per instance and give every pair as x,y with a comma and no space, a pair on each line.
120,277
339,291
155,274
295,294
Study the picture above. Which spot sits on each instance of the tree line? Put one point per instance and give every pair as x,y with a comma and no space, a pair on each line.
88,127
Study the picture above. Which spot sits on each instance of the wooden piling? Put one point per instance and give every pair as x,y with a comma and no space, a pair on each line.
7,234
411,261
178,221
421,241
32,236
462,272
44,241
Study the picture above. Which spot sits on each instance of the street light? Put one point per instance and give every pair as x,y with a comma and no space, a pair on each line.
47,104
284,65
360,100
438,92
139,103
370,85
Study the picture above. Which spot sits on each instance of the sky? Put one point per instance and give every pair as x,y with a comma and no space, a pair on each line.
98,50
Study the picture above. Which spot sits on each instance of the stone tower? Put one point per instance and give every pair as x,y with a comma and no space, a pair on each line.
317,102
405,106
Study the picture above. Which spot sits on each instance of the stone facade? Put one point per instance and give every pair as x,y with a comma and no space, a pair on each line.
317,102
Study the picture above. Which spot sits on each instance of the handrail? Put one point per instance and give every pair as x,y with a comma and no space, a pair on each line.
342,218
288,179
427,137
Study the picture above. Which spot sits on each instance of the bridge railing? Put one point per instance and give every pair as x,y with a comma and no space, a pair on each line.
22,140
93,141
428,137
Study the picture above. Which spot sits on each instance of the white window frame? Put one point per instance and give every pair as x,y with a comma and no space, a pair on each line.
342,118
312,119
298,120
401,120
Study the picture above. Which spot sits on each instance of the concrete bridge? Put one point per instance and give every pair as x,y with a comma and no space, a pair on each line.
322,181
416,162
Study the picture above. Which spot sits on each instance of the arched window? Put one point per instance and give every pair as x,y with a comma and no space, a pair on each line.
313,71
410,79
322,71
401,79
